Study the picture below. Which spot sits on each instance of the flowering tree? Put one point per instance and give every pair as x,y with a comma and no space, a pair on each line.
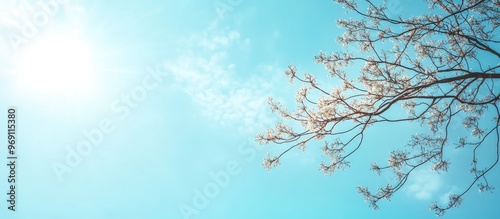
440,67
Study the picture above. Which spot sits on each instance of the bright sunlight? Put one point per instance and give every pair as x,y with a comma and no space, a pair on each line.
55,66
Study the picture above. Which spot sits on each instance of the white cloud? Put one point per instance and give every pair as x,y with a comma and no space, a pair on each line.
425,184
214,38
220,96
211,80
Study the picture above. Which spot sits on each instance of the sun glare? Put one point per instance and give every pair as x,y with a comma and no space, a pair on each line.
55,66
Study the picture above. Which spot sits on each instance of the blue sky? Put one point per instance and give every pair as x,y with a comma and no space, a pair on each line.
161,101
